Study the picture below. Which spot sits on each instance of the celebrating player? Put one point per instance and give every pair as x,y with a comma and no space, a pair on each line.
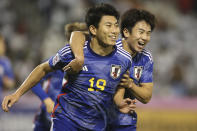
85,101
136,28
49,87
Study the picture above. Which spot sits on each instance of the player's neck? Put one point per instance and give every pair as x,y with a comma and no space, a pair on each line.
127,48
100,48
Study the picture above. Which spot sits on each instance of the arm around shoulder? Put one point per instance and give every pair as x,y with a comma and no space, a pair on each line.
77,42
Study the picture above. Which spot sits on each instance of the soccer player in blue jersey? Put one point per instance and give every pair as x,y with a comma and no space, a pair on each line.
47,90
85,101
136,28
6,72
49,87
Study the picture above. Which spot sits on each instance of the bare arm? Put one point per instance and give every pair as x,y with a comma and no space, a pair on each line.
124,105
34,77
77,42
143,92
49,103
119,96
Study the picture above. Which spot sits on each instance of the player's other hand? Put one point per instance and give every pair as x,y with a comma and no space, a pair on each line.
127,106
49,103
8,101
74,66
126,81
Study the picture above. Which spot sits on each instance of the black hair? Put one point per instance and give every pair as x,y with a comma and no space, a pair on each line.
132,16
95,13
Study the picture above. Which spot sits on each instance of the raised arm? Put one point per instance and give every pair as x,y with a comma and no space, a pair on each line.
34,77
77,41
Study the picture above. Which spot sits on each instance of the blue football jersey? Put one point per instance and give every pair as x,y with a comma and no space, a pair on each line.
142,66
141,72
88,95
49,86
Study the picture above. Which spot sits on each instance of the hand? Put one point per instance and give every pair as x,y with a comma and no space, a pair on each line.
74,66
126,81
49,103
127,106
8,101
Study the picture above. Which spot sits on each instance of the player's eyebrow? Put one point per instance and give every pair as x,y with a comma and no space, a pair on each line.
107,23
111,22
140,29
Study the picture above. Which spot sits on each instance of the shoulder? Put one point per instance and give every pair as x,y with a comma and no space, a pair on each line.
65,50
86,44
123,53
63,55
119,43
147,55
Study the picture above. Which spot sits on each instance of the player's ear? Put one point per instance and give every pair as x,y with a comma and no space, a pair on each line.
92,29
126,33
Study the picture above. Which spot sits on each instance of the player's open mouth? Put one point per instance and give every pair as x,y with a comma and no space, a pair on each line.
141,43
114,38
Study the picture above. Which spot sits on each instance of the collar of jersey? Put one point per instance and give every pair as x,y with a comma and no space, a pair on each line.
93,53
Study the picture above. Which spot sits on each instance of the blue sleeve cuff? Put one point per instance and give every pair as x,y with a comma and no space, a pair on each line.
37,89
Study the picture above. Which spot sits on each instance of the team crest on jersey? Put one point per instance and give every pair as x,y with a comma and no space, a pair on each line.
138,72
115,71
56,59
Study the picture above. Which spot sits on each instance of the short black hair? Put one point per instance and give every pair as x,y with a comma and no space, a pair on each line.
95,13
132,16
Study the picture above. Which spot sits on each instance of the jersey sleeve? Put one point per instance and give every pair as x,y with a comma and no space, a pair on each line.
147,73
62,58
129,63
37,89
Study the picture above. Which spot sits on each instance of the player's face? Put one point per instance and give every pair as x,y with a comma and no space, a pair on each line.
108,30
140,36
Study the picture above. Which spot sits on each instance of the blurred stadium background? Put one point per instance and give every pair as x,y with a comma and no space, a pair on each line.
34,30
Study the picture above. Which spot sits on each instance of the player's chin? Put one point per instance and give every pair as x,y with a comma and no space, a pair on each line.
138,49
112,42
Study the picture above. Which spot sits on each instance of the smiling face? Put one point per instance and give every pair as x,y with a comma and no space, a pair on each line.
108,31
139,36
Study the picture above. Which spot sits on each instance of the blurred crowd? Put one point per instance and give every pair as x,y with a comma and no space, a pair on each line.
34,30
